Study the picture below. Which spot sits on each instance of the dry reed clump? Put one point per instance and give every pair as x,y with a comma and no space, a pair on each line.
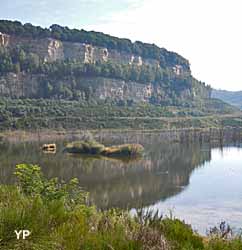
151,239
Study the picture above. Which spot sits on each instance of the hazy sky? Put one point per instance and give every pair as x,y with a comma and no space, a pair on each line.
207,32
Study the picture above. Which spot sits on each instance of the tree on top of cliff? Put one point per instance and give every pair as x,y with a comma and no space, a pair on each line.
95,38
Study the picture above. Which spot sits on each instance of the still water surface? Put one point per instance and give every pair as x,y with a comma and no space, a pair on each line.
198,183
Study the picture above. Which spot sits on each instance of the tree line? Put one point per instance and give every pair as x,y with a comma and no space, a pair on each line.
19,60
146,50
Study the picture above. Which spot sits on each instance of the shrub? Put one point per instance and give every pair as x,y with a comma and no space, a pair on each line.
58,218
32,182
84,147
124,150
181,235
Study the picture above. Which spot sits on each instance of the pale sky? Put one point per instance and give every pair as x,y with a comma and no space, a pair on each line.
206,32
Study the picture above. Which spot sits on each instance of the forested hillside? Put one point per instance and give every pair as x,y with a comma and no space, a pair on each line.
65,63
95,38
61,77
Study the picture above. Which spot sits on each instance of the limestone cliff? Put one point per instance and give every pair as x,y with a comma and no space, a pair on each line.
24,84
31,86
4,39
52,50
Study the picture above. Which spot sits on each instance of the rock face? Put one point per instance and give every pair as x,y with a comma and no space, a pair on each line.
55,50
18,85
104,88
4,39
31,86
50,50
25,85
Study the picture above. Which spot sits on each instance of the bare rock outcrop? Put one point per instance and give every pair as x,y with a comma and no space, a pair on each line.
51,50
4,39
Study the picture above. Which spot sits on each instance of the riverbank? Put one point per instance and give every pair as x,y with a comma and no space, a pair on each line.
215,135
59,216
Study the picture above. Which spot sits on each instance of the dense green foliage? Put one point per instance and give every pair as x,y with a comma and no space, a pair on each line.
60,114
85,147
18,60
57,216
33,183
58,219
95,38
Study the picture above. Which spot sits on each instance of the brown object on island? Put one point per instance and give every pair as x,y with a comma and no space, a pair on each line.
49,147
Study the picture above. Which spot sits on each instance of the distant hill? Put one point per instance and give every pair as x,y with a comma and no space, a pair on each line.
232,97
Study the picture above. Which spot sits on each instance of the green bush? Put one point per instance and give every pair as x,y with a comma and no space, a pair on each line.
221,244
124,150
84,147
57,217
32,183
181,235
59,220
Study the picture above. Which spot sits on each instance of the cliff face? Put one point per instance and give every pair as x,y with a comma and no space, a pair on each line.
51,50
30,86
4,39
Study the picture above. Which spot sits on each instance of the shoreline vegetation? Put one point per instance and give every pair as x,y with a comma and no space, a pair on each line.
35,114
60,216
213,134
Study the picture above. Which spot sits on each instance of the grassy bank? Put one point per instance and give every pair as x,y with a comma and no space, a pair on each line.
60,218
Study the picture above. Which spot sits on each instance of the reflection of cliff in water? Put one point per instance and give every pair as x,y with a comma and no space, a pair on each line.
163,172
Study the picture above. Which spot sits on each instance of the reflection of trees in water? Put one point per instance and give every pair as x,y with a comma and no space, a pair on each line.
161,173
12,154
164,172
